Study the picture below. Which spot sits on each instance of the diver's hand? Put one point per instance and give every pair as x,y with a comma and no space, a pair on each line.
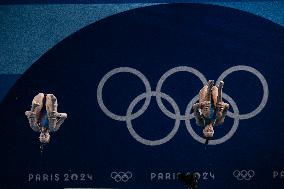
53,98
221,106
196,106
205,108
30,114
53,114
221,112
204,104
35,103
201,104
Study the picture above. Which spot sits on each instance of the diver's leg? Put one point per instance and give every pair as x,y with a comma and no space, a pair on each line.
51,103
202,94
37,103
32,115
205,99
51,107
205,92
214,92
221,106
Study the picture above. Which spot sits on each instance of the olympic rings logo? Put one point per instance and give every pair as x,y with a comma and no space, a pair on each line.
176,115
244,174
121,176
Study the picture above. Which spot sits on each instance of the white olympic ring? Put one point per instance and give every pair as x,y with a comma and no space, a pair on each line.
156,142
165,76
120,70
264,86
121,176
244,174
176,115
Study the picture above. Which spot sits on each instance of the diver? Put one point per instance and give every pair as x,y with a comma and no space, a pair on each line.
210,111
44,117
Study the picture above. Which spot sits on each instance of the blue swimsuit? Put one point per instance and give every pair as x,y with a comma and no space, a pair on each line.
44,119
211,117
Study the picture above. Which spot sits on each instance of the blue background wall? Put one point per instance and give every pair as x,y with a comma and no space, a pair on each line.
152,40
28,30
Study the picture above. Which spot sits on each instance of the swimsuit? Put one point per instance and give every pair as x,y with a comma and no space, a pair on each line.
43,116
212,115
